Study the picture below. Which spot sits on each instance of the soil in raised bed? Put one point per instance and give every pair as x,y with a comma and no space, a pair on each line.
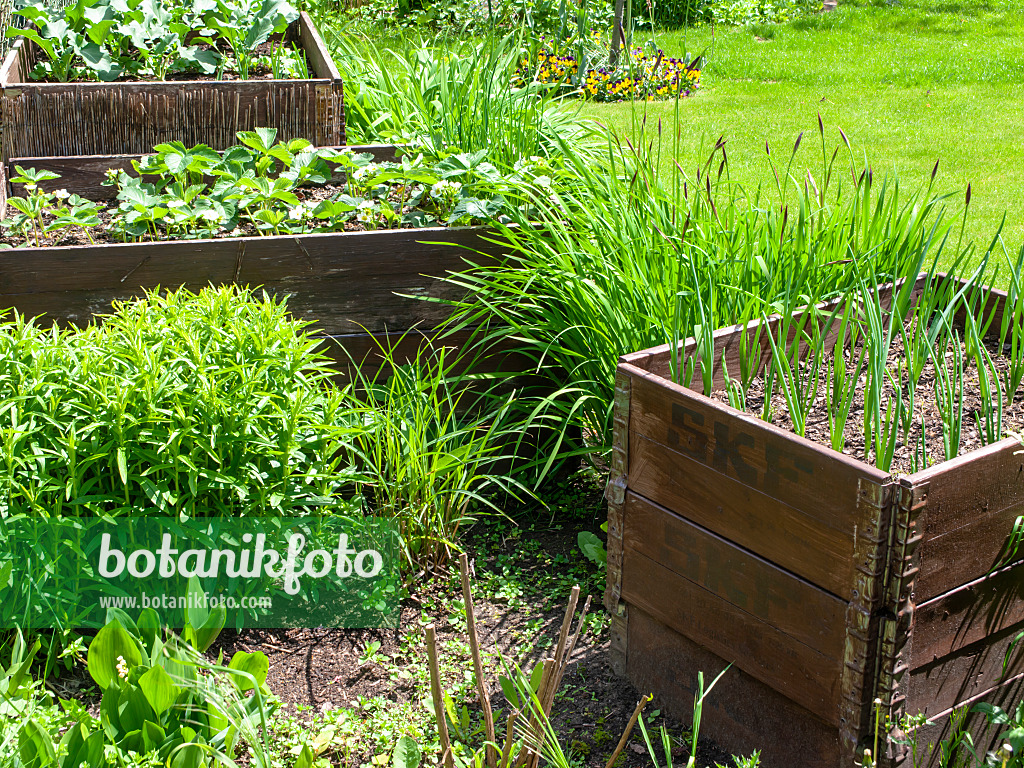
256,71
926,410
103,234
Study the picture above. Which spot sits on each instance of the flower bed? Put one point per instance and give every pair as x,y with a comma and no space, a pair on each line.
643,75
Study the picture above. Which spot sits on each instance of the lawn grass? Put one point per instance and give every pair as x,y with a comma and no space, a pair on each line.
909,83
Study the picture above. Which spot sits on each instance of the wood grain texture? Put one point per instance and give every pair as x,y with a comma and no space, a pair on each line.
84,175
62,119
761,650
749,583
968,615
343,283
774,530
741,714
965,674
986,738
766,458
970,508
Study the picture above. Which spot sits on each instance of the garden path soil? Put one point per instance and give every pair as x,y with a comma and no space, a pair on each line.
316,669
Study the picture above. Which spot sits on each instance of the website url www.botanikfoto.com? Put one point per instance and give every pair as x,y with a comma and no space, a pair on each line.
184,602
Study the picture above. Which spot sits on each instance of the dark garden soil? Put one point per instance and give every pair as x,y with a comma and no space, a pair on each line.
523,575
926,419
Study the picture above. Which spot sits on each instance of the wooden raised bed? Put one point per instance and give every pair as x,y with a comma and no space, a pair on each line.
62,119
84,175
350,285
823,580
358,288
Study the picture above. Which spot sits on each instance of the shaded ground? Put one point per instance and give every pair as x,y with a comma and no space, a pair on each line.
352,693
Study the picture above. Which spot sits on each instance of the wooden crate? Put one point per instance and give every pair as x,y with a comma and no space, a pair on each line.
63,119
823,580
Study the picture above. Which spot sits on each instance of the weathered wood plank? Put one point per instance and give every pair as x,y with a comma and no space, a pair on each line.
84,175
805,676
741,714
969,674
795,607
774,530
345,282
318,57
971,505
967,615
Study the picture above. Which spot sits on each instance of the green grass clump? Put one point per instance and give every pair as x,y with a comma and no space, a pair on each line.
204,404
454,93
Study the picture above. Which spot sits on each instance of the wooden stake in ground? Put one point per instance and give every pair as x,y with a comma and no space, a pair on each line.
629,729
478,667
435,693
531,752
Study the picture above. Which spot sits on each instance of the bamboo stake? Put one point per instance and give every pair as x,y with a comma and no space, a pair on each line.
629,729
570,648
478,667
435,693
529,756
506,750
548,701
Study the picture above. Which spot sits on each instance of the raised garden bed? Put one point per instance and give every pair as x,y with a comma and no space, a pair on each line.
106,118
825,581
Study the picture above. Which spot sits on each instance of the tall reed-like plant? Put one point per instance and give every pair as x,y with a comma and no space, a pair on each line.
601,274
455,93
432,448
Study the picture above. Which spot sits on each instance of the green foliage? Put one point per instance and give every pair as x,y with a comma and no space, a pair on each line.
628,259
204,404
592,546
749,12
258,188
155,701
455,94
246,24
42,213
149,39
433,447
1010,752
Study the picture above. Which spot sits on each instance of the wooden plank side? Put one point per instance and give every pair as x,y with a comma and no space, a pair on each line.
774,530
952,680
771,460
741,714
797,671
970,508
985,738
84,174
966,674
319,58
749,583
252,260
345,283
967,615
